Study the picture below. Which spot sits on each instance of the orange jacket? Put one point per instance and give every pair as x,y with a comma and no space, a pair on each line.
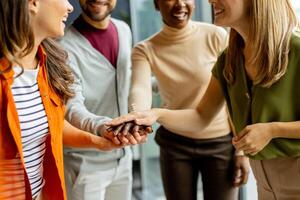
16,184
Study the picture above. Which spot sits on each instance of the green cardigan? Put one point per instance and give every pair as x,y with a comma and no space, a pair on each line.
280,102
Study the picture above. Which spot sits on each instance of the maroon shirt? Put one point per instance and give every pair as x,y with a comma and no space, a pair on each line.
105,41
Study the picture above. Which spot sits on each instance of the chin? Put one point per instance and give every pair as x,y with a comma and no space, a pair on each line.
59,34
218,23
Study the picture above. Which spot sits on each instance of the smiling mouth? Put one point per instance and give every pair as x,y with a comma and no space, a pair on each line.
97,3
64,20
218,11
180,15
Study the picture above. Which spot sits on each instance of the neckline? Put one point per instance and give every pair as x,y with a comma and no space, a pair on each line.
172,34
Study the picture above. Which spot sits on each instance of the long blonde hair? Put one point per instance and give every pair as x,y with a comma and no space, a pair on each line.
271,26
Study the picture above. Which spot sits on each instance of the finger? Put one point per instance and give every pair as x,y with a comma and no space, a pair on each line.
254,153
123,139
135,128
251,152
241,145
131,139
241,134
120,120
235,140
127,127
148,129
142,132
110,136
144,138
116,140
245,174
237,178
109,128
137,136
118,129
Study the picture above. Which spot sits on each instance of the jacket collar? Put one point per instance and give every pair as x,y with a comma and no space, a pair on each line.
5,65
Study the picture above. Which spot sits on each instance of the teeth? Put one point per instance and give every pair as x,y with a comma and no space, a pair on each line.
64,19
180,16
218,11
99,2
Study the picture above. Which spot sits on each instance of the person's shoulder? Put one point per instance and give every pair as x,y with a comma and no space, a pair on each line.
151,40
216,34
295,40
222,57
120,24
70,33
210,28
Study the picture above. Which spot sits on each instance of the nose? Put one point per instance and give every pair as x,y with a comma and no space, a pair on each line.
69,7
181,2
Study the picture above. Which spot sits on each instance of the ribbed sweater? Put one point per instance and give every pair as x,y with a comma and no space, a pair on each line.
181,60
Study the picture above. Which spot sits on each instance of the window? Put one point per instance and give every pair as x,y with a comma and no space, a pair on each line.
145,20
296,4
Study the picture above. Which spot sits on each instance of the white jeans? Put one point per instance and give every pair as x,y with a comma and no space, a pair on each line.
105,184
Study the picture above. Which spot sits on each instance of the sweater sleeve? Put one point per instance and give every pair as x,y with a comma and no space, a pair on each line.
221,40
140,97
77,113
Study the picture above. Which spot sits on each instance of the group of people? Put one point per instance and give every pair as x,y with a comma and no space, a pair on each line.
65,131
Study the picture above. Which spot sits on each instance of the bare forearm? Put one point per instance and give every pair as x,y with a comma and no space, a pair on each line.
74,137
286,129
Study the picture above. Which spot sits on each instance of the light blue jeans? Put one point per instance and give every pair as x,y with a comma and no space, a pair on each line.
107,183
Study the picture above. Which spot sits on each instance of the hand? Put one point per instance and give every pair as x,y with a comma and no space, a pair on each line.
146,118
108,134
140,133
104,144
128,133
253,138
241,170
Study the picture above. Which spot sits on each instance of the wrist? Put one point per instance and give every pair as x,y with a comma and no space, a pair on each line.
159,114
274,129
239,153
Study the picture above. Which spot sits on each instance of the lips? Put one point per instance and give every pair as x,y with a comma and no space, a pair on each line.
97,2
218,11
65,18
180,15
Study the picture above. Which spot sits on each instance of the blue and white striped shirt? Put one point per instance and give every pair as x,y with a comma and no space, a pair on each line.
34,125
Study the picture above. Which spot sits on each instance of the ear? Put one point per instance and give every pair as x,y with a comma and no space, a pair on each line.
33,6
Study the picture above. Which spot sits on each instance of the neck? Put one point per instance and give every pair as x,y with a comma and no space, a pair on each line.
243,29
30,61
103,24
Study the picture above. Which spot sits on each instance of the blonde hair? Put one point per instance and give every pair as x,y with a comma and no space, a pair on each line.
271,24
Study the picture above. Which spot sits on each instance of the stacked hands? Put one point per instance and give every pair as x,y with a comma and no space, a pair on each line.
134,127
126,132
